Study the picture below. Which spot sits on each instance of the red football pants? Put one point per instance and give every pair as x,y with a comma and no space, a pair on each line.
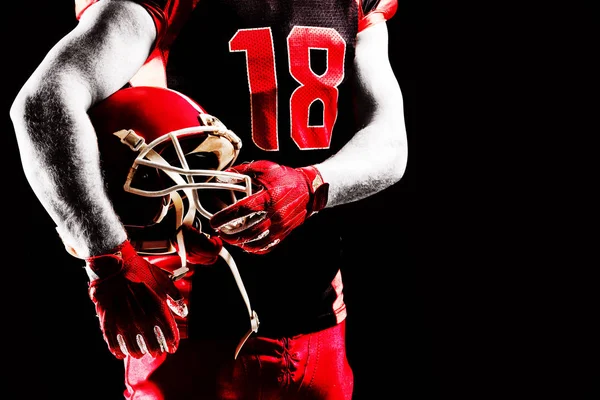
310,366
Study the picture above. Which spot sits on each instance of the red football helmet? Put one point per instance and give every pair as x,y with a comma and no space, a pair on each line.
159,152
162,157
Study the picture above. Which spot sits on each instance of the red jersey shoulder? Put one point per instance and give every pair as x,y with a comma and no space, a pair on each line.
168,15
82,5
371,12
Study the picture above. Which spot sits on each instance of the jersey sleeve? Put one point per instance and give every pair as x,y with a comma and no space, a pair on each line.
157,9
168,16
371,12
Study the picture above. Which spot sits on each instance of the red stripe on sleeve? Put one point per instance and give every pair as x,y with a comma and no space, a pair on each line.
81,6
384,10
154,9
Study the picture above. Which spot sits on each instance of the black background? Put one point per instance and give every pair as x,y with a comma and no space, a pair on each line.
53,346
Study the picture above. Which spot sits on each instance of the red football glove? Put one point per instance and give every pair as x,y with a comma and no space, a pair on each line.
286,198
134,300
199,247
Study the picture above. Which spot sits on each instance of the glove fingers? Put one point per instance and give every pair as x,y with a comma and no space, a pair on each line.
266,243
252,167
146,345
151,342
163,333
263,245
196,240
153,346
169,337
113,345
149,303
178,306
254,233
200,248
130,340
165,284
172,291
241,215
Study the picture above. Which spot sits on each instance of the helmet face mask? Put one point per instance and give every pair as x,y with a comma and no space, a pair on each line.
190,171
163,158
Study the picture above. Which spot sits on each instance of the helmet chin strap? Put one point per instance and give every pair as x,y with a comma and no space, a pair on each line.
254,322
188,219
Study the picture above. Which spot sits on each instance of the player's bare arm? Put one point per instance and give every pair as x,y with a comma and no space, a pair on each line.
56,140
376,156
373,160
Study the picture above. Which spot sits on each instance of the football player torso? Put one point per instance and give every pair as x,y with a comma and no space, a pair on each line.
274,71
279,74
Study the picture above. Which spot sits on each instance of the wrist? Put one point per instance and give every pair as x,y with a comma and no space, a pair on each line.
84,247
317,187
110,263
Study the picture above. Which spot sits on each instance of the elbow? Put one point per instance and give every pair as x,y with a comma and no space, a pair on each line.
20,118
34,107
17,109
33,91
27,144
46,98
400,156
24,111
399,165
30,141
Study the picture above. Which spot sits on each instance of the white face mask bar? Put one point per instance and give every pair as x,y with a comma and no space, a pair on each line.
148,157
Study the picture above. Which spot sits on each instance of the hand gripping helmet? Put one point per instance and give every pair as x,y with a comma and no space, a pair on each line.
163,158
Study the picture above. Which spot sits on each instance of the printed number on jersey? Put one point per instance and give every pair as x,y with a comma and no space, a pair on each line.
262,82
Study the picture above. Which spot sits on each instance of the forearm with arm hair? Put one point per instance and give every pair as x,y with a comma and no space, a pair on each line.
61,162
375,158
369,163
57,142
